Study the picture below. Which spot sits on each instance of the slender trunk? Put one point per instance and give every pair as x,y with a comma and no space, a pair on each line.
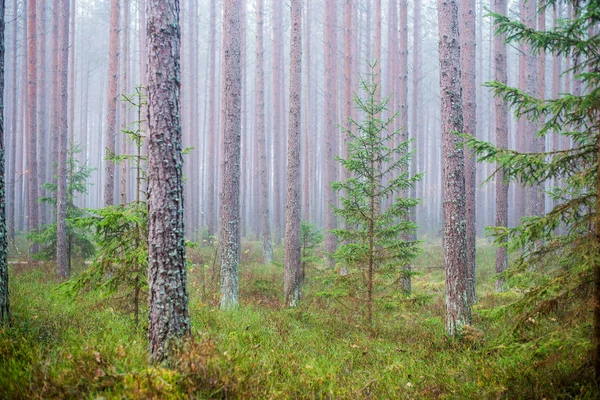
13,134
230,168
501,111
62,256
169,316
331,129
469,110
4,297
125,91
111,123
293,257
211,211
278,129
260,132
41,106
541,94
32,119
458,311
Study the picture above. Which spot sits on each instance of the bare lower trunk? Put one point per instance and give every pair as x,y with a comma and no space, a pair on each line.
468,79
211,210
501,110
229,235
113,79
260,132
293,258
32,119
458,311
4,298
169,316
62,256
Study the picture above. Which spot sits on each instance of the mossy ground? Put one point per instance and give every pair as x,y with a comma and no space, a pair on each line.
88,348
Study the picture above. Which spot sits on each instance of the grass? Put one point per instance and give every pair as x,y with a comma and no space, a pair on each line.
87,348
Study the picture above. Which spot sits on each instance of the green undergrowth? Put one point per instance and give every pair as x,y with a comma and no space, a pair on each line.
88,347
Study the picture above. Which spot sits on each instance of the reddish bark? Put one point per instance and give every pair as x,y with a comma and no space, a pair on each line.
501,111
169,316
229,235
469,109
113,80
293,274
458,310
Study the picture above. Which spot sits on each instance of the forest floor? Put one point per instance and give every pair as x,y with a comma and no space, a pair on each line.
58,347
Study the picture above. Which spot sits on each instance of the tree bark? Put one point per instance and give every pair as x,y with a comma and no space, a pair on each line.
113,80
4,297
125,91
501,111
331,129
32,118
62,258
211,210
278,129
541,94
229,235
469,109
260,132
169,315
293,258
13,136
458,311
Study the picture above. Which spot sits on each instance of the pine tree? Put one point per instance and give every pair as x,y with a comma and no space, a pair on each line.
4,300
373,247
558,251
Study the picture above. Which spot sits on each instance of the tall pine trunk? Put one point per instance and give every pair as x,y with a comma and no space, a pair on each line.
32,118
113,80
263,178
169,315
229,235
469,110
292,258
4,299
501,111
62,257
458,311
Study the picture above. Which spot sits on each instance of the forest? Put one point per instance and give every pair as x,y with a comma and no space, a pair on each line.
299,199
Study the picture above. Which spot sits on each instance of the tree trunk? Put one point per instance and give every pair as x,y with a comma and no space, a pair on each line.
260,132
229,236
331,128
41,107
278,165
469,109
501,110
13,135
458,311
4,299
113,80
211,210
541,94
169,316
32,118
293,258
125,91
62,257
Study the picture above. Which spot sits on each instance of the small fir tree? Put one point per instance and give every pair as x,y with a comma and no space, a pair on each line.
374,249
79,243
121,231
558,253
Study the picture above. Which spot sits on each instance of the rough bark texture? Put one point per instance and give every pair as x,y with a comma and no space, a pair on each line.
263,178
278,129
229,235
4,298
62,257
541,94
13,135
331,129
211,210
32,117
528,10
111,122
458,311
169,316
469,105
292,257
501,111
